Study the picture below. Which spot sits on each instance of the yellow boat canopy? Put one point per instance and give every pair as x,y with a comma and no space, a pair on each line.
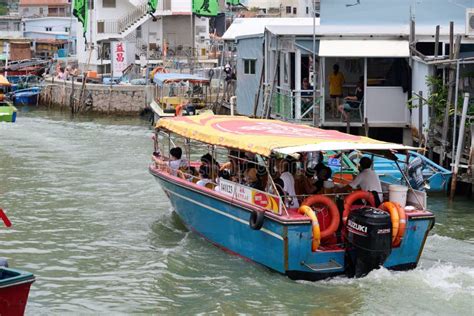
4,81
264,137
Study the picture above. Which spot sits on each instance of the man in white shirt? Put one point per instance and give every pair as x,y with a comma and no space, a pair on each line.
367,179
288,166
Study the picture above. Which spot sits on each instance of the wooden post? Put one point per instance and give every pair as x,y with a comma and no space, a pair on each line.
366,127
436,42
451,39
348,126
449,101
459,146
420,118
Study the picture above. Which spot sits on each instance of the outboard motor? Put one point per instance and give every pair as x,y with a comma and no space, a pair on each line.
415,172
369,237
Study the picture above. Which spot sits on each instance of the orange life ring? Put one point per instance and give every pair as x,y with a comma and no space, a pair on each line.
308,211
351,198
400,222
319,199
392,209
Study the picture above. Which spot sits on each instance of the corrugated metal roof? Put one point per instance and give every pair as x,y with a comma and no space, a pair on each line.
256,26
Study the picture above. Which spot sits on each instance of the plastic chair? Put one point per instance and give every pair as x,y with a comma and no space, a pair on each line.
351,106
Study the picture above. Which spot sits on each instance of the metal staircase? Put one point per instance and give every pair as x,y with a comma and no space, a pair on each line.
125,25
134,19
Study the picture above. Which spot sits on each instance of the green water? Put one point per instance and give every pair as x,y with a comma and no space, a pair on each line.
99,234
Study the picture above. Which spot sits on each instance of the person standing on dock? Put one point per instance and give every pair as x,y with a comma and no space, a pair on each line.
336,80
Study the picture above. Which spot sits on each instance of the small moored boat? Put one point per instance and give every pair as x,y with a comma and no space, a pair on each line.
14,285
178,94
27,96
7,110
304,236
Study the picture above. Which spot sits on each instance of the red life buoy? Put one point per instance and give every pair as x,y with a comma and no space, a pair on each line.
351,198
322,200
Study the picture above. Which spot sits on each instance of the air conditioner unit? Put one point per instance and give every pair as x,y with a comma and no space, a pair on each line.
470,21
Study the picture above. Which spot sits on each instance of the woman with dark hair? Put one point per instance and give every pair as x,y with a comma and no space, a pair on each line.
204,176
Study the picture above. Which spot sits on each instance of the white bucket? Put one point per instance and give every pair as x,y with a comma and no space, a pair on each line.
398,193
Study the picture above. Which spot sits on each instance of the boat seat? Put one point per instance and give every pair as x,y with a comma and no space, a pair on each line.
210,186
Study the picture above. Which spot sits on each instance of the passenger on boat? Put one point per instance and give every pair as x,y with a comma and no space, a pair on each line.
287,171
305,184
235,165
213,164
175,161
324,180
367,180
204,176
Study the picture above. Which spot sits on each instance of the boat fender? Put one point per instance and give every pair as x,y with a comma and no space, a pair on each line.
308,211
401,223
256,220
351,198
322,200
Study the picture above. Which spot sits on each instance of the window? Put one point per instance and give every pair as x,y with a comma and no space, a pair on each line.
48,29
288,10
53,11
67,29
41,11
249,66
294,10
108,4
4,26
390,72
16,26
100,27
307,10
62,11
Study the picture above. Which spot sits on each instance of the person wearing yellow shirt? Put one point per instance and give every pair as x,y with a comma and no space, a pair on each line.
336,80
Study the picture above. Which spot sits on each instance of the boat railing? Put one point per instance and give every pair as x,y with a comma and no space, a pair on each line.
294,105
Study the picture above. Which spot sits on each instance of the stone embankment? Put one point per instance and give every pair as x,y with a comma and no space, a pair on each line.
98,98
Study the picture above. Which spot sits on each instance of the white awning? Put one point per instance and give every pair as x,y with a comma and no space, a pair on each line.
363,48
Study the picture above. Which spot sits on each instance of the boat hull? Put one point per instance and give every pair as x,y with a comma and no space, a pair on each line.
26,99
14,290
8,113
281,245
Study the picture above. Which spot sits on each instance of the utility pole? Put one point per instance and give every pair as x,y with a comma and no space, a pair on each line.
315,112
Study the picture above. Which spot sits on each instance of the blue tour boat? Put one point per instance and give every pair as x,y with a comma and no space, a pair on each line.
265,224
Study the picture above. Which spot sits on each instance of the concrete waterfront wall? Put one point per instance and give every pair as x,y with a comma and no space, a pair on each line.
119,99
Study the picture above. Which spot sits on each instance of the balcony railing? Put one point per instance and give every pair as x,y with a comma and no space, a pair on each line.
294,105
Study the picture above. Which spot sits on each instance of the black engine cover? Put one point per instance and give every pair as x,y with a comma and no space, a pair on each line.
369,234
